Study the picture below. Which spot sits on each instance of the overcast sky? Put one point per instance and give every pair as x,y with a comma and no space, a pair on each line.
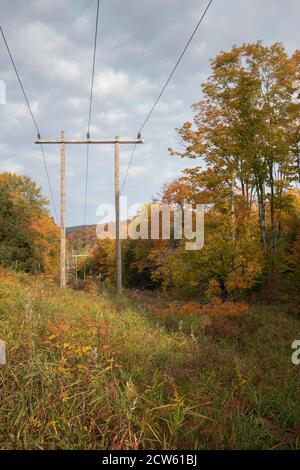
139,42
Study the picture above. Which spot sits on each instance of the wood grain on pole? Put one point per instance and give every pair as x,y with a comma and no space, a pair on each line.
62,214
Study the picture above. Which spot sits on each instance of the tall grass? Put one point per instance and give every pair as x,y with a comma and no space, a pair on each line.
91,371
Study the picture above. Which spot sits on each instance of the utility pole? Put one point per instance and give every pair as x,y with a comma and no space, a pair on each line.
118,228
117,142
76,264
76,268
62,213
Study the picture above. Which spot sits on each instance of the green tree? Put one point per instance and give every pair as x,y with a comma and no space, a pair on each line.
246,130
25,225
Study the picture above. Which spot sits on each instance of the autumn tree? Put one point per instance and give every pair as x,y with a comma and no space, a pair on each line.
225,266
28,235
246,130
100,262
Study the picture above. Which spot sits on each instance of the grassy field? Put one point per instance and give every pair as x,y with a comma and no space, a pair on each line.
90,371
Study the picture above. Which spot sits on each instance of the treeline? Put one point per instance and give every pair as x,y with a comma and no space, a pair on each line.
246,134
29,238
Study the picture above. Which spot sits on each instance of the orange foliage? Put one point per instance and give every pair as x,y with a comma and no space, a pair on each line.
229,309
6,277
47,243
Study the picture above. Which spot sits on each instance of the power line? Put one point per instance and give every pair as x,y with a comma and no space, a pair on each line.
32,116
90,111
175,67
49,183
165,86
128,167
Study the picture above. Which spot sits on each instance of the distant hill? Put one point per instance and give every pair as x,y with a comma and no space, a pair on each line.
78,228
82,237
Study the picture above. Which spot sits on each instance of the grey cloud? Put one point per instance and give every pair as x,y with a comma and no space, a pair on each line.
139,42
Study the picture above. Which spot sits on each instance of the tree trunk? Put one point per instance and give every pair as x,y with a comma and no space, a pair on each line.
224,291
272,210
232,212
262,213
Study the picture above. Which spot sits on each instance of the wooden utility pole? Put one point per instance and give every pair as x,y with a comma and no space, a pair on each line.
76,264
117,142
76,269
62,212
118,227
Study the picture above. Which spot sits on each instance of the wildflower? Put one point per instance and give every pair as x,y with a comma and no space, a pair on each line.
64,397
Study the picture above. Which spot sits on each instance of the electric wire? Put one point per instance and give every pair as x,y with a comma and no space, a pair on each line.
33,119
164,88
90,112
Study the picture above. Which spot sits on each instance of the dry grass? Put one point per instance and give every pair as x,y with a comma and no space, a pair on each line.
90,371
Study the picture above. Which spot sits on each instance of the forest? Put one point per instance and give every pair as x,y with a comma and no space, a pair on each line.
245,143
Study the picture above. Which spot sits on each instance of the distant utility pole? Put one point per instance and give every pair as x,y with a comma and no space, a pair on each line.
76,264
117,142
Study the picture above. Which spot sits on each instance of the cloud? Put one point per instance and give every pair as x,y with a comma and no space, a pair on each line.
113,116
11,166
112,83
136,171
52,44
45,6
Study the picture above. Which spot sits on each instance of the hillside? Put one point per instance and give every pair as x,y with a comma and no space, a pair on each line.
83,237
89,371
